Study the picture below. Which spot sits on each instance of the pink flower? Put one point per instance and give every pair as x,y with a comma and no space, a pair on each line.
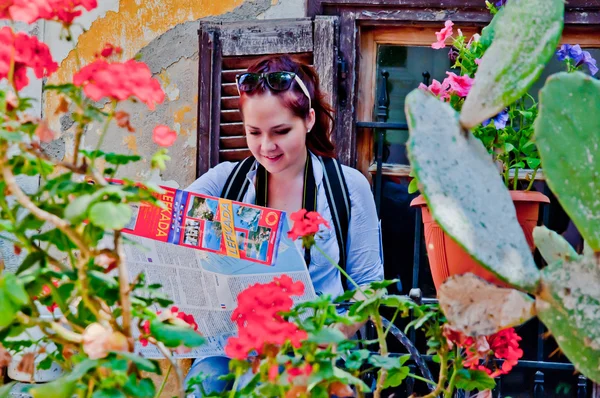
163,135
436,88
478,61
26,52
120,81
459,85
442,35
29,11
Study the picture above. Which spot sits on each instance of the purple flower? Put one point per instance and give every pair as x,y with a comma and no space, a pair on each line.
453,54
578,56
588,60
500,3
569,51
500,120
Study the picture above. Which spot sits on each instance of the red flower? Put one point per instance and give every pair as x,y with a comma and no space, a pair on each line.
505,345
46,292
442,35
120,81
26,52
109,49
306,224
303,370
146,332
260,324
163,135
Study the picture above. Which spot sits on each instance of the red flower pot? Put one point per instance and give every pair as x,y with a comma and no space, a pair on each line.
447,258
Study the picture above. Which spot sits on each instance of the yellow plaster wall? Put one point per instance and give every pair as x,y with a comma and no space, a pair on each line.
136,23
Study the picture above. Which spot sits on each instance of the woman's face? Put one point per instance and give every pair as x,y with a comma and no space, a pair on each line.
276,137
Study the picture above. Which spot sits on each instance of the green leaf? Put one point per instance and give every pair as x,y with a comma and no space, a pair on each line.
59,388
106,280
76,210
142,363
508,147
413,186
382,284
57,238
109,393
464,191
388,362
552,246
144,389
396,376
394,301
5,390
476,307
356,359
488,33
470,380
569,305
160,159
6,225
327,336
109,215
566,133
349,379
174,336
31,260
9,310
525,37
118,159
15,290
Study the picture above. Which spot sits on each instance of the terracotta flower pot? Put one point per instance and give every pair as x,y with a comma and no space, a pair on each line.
447,258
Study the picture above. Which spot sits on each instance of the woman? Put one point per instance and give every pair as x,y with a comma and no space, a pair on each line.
287,124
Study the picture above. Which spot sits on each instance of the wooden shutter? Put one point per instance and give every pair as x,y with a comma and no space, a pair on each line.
227,49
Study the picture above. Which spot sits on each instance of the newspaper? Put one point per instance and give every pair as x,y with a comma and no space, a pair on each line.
205,282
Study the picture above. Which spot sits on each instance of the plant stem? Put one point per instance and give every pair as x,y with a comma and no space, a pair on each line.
442,379
383,352
340,269
450,390
26,202
167,354
416,377
104,131
391,322
124,288
532,179
238,374
164,382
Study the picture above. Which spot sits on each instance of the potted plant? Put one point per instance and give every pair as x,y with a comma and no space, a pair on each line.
507,136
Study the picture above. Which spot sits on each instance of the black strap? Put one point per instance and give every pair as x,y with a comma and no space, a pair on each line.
336,191
338,198
237,184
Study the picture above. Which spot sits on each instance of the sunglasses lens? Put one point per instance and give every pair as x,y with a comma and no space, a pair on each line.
248,81
280,81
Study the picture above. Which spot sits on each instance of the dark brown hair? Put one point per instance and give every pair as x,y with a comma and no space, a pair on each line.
318,140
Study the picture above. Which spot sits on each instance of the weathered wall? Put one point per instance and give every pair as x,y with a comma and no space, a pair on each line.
164,33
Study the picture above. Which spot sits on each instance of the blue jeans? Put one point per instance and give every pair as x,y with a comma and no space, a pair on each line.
212,368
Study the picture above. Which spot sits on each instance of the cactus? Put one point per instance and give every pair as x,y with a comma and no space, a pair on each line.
468,200
525,36
567,133
459,181
569,305
552,246
477,308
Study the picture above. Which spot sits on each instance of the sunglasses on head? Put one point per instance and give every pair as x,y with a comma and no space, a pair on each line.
277,81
